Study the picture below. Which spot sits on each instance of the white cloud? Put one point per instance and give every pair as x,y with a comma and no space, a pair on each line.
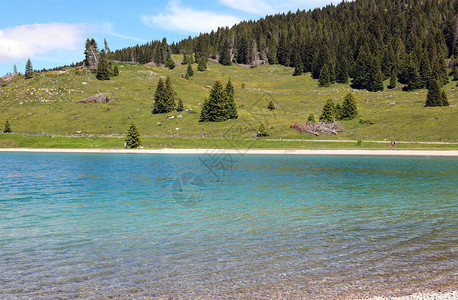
127,37
268,7
20,42
107,28
188,20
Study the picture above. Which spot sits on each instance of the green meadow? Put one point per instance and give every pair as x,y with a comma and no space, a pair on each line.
46,104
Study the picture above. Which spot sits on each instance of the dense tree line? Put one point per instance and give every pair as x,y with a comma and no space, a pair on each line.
155,51
367,41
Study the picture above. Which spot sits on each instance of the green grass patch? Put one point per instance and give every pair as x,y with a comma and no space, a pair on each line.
96,142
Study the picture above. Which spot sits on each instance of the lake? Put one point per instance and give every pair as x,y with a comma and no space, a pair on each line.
134,225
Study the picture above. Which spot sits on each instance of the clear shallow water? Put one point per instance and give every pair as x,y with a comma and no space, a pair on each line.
92,225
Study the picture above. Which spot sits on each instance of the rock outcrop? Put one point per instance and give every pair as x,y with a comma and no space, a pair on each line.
99,98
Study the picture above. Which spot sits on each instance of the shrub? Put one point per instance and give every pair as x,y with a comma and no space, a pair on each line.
271,106
7,127
262,131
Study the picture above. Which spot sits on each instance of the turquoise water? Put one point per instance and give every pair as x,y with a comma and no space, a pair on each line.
93,225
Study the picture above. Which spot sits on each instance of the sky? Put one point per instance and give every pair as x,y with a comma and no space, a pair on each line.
53,32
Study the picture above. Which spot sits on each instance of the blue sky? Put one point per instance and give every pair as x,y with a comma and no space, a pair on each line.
53,32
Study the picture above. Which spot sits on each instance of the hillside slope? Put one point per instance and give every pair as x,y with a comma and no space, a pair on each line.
47,104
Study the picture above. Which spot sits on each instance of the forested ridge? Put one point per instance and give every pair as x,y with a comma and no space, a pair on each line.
362,42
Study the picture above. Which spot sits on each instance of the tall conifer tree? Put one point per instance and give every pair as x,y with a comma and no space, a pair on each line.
434,96
28,69
103,70
215,108
133,136
325,76
159,98
329,112
232,109
349,109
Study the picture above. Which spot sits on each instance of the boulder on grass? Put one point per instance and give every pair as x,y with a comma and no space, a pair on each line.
99,98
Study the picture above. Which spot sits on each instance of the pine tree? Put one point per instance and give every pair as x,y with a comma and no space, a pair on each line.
103,70
434,96
165,52
444,99
180,105
242,53
28,69
284,49
169,63
14,70
262,131
440,70
338,111
159,99
107,49
271,106
328,113
205,112
311,118
157,56
322,57
425,70
133,136
455,74
342,70
388,61
298,70
411,77
169,96
189,71
231,107
375,82
325,76
225,54
7,127
392,83
349,109
298,66
91,53
215,107
362,69
115,71
202,64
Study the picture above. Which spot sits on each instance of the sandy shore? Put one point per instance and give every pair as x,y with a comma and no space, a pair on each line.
449,153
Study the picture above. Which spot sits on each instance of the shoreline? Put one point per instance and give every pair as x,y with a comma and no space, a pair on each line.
350,152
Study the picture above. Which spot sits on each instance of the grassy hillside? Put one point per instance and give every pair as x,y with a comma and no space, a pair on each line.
47,104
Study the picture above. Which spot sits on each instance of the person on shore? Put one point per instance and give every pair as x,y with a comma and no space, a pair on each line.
392,144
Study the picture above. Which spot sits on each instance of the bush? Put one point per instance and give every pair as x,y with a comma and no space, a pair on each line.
271,106
262,131
7,127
